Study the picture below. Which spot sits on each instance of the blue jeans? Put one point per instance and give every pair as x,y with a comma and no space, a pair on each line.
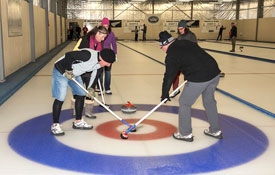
107,78
60,86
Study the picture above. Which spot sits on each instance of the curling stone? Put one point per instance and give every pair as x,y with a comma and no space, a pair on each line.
128,108
124,135
241,48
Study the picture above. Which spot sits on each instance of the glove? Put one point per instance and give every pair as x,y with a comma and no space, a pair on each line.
69,74
91,93
167,99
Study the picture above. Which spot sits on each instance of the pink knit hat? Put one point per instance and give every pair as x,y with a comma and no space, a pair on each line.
105,21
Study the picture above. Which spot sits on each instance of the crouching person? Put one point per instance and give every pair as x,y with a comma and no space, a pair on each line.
70,66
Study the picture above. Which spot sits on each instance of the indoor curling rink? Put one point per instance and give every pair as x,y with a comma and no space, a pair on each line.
246,105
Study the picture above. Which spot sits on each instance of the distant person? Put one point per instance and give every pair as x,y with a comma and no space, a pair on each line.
71,32
136,33
183,33
85,30
144,30
222,28
233,36
74,33
78,32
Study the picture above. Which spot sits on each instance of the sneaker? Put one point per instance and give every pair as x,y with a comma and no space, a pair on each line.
56,129
81,125
175,94
109,92
188,138
217,135
90,116
97,90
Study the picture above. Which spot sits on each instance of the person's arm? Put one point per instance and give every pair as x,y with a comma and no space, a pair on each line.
114,44
171,70
94,77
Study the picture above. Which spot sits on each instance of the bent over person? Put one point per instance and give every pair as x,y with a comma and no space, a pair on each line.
202,74
70,66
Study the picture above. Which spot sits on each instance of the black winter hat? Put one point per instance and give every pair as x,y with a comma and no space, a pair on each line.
108,55
182,23
165,38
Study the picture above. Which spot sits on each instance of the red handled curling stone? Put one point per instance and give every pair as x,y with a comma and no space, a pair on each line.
123,135
128,108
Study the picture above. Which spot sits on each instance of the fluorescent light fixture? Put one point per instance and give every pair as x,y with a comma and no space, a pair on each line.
185,0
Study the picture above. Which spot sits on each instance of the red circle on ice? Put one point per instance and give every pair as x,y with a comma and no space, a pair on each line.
162,130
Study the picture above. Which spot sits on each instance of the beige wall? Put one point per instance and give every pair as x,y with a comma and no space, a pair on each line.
266,29
51,27
16,49
39,31
64,30
246,30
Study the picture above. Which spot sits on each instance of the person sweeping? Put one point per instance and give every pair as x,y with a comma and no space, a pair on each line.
202,74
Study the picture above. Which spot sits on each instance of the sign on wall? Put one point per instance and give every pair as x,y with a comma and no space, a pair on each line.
129,26
153,19
211,26
95,23
14,18
116,23
172,26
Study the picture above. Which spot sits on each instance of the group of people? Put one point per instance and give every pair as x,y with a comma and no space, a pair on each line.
91,59
183,56
232,35
144,31
74,32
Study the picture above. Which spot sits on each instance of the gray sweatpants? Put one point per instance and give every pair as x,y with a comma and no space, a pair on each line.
189,95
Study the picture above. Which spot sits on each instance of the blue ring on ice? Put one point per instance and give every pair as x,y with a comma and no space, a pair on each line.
242,143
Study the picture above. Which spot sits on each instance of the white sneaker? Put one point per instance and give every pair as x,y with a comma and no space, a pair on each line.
90,116
188,138
81,125
109,92
56,129
217,135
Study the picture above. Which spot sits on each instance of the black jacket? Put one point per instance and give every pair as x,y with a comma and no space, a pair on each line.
189,58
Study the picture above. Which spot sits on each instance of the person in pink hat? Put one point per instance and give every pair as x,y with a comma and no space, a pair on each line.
110,43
